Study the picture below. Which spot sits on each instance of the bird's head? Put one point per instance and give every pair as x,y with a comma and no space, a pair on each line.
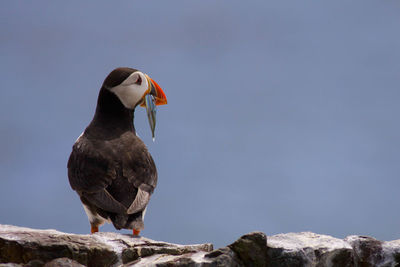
133,88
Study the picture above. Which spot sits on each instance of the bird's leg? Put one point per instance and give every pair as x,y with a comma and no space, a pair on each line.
94,229
136,232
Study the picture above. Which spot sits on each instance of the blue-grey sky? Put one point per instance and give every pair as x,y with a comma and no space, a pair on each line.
283,116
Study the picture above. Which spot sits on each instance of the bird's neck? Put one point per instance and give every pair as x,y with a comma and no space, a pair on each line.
111,114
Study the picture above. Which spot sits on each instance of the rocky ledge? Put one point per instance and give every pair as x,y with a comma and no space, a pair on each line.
29,247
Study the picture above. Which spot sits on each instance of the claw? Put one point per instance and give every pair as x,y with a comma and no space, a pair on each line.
94,229
136,232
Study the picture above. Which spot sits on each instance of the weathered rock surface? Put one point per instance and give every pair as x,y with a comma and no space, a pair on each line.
309,249
39,247
28,247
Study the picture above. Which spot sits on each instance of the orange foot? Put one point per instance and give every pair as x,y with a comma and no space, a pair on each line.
136,232
94,229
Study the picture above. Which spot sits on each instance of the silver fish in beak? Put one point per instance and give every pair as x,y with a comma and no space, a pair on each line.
151,110
153,97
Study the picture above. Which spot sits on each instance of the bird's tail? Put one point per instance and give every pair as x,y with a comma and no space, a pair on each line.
119,221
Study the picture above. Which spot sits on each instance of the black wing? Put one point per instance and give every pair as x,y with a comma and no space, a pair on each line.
90,172
112,174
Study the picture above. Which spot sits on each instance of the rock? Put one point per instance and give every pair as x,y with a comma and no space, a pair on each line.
63,262
31,247
49,248
308,249
371,252
223,257
251,249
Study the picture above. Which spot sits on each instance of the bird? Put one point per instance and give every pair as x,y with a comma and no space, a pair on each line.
110,167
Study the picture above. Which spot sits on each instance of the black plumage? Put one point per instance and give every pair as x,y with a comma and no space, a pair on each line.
110,167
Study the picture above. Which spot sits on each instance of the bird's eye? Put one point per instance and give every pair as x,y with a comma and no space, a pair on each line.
139,80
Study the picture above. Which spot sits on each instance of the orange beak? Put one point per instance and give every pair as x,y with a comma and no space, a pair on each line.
155,90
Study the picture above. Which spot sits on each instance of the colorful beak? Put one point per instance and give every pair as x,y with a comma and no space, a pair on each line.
155,90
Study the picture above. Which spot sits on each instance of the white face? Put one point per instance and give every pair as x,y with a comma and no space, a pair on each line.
131,91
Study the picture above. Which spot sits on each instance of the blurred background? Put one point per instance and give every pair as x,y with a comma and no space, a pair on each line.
283,116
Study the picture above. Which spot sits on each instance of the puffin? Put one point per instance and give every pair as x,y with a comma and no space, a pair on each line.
110,167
